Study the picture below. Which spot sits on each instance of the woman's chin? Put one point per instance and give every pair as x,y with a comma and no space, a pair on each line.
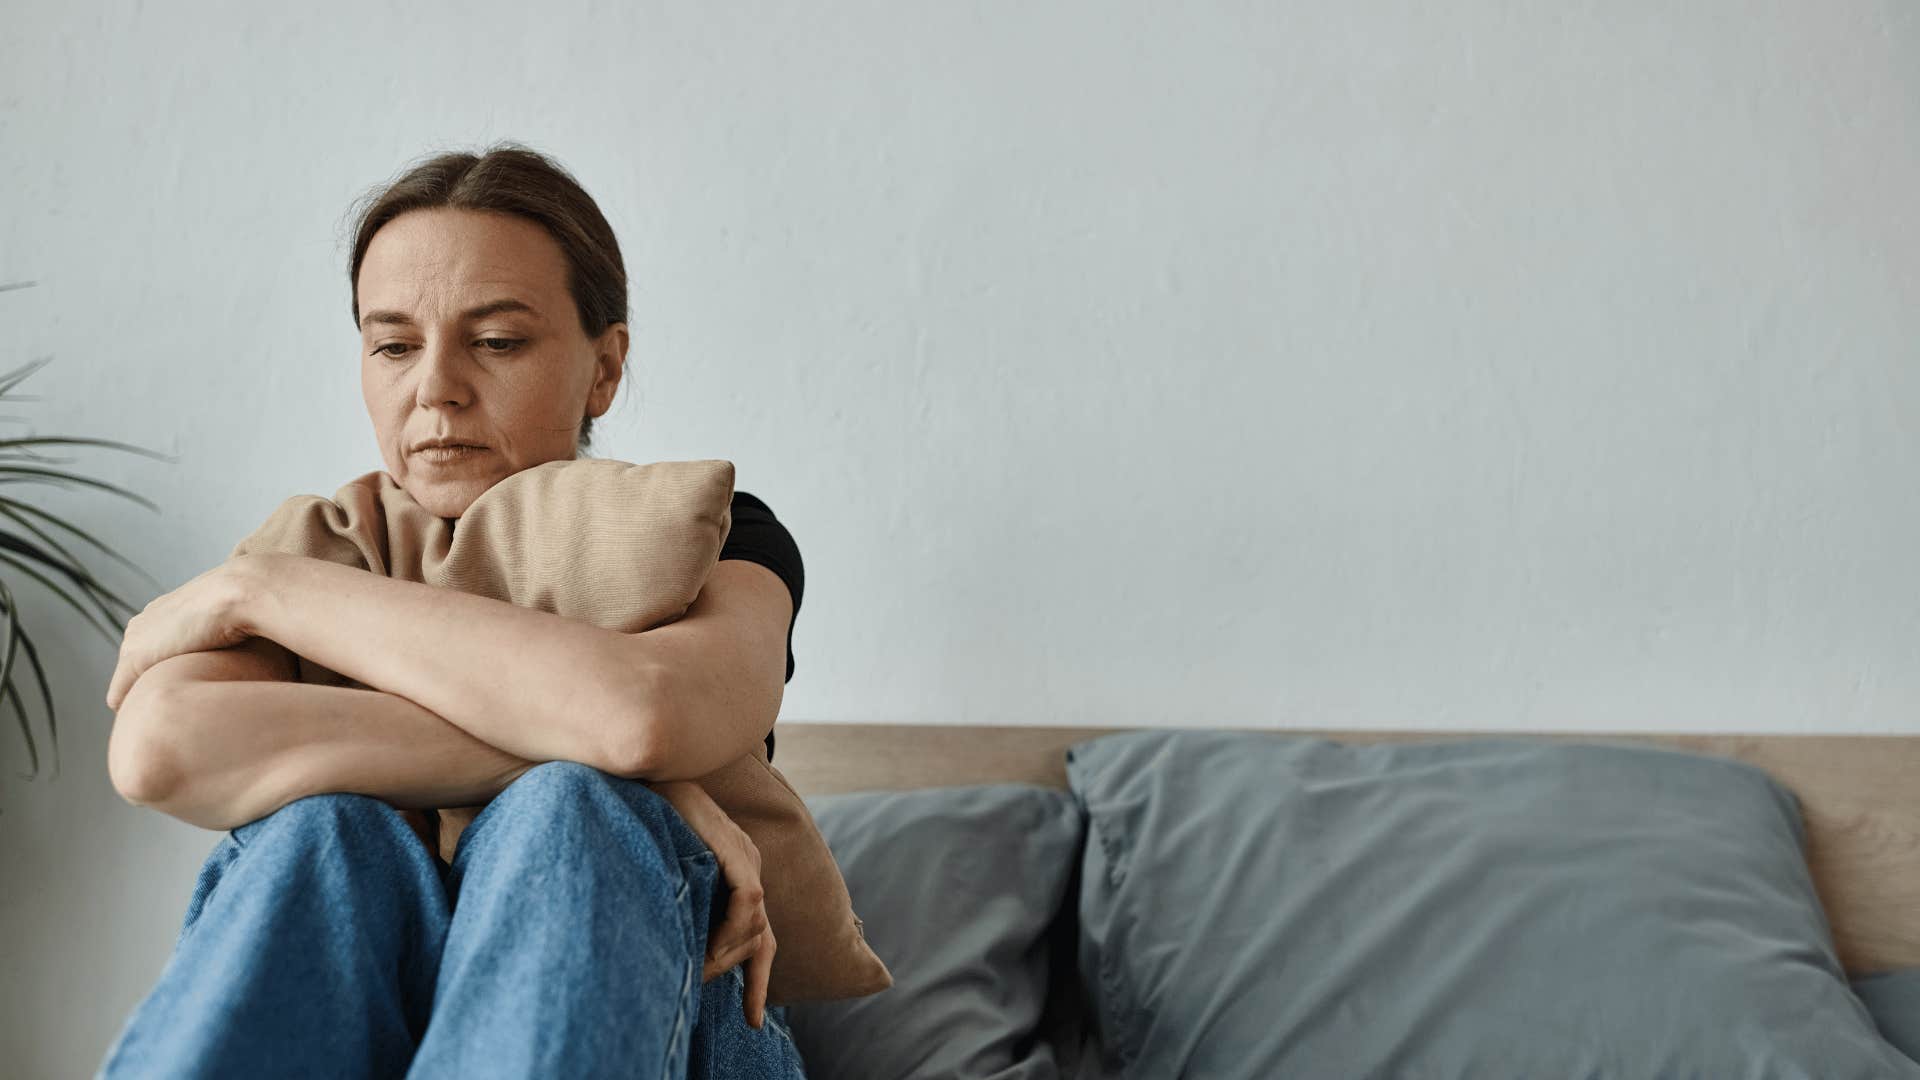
447,498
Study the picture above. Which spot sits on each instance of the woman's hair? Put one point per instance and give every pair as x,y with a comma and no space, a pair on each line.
510,178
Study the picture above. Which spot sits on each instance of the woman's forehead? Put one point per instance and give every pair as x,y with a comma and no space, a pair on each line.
452,264
403,316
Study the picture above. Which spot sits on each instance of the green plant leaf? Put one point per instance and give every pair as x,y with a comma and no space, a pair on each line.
28,474
68,565
46,697
91,588
16,505
112,636
62,440
13,637
13,633
13,699
6,510
18,375
23,553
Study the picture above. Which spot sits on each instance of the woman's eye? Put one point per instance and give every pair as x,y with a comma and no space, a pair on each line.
493,345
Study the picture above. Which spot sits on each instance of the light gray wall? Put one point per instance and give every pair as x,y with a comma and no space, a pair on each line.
1482,365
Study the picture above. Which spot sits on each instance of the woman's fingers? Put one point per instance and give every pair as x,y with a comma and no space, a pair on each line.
746,917
745,933
758,970
719,963
746,908
738,953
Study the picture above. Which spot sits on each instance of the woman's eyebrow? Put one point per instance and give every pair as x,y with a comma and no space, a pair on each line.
495,307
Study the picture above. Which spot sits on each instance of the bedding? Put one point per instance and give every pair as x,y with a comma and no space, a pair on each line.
964,889
626,547
1254,904
1893,999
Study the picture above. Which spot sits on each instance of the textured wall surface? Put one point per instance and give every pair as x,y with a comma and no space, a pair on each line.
1492,366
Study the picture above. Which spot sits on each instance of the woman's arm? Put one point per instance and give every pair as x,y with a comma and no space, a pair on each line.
218,751
533,683
671,703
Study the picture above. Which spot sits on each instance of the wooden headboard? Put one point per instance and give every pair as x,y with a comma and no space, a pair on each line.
1860,795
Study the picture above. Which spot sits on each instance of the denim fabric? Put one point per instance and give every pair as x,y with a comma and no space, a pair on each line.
566,939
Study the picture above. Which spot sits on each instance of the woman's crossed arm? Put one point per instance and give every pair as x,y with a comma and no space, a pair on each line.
223,737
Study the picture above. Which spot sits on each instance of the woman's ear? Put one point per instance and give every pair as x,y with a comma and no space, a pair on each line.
610,361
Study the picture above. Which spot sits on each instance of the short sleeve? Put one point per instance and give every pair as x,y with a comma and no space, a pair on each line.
756,535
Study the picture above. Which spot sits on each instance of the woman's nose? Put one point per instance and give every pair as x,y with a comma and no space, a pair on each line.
443,375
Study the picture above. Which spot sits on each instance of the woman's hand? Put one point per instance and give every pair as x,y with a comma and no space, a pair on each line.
746,934
200,616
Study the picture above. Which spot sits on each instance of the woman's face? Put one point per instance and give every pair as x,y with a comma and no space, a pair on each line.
467,332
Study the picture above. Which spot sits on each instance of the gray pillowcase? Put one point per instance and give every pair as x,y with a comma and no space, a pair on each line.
1893,997
958,888
1259,905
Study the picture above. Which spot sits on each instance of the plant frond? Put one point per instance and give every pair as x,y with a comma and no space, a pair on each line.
26,728
93,593
13,699
18,375
111,444
28,474
79,575
27,569
6,510
46,697
13,634
13,506
22,553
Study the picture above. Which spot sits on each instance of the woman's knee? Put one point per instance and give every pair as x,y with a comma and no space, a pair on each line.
559,776
328,815
558,793
571,783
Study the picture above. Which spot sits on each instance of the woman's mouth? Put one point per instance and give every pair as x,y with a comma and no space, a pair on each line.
443,455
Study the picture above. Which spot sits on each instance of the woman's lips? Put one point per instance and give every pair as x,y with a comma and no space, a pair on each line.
447,455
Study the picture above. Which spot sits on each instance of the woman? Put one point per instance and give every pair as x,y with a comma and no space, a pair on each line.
552,923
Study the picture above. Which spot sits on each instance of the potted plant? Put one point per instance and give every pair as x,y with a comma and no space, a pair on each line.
31,548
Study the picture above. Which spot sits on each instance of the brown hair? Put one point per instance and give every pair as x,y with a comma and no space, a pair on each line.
510,178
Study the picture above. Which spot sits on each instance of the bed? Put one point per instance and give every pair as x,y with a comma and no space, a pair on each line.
1858,796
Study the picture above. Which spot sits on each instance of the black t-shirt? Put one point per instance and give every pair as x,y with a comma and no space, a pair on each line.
758,536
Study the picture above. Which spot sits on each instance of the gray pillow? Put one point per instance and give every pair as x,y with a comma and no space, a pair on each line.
1893,997
958,887
1265,905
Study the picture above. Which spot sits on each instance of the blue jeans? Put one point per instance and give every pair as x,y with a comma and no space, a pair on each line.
325,940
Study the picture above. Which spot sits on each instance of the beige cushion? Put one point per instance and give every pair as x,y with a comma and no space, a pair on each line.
626,547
